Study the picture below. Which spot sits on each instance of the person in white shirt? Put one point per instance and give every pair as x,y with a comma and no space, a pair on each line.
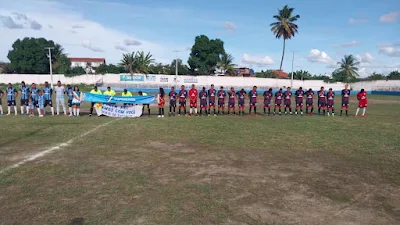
60,92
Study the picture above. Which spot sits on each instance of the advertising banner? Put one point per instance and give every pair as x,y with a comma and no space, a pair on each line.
88,97
128,77
118,111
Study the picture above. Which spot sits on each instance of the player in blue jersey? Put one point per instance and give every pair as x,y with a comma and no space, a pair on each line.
24,97
34,95
31,107
48,96
1,107
70,95
41,102
11,96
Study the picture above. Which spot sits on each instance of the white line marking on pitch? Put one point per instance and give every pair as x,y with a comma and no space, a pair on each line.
65,144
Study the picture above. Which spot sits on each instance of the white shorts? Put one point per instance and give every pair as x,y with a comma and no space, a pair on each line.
60,101
76,102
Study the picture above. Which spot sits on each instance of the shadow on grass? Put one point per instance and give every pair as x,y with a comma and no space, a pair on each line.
77,221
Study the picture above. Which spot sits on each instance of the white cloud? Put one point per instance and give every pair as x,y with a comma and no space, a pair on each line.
77,26
390,51
348,44
88,45
356,21
23,22
121,48
317,56
132,42
99,41
230,26
259,61
390,17
365,58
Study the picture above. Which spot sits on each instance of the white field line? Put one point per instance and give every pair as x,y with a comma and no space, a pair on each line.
55,148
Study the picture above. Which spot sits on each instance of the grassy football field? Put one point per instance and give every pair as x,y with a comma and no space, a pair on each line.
203,170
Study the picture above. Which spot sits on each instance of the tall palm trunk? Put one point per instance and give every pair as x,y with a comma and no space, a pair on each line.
283,53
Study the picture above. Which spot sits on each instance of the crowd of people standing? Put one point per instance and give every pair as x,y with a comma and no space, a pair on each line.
209,100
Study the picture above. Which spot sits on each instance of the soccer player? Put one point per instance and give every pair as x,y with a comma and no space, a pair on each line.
34,94
41,102
362,102
345,99
193,94
125,93
241,97
60,92
267,101
1,107
48,96
11,96
253,100
299,100
278,101
310,102
231,101
330,96
182,100
211,99
76,101
288,100
221,100
24,98
321,101
70,94
172,101
161,102
203,100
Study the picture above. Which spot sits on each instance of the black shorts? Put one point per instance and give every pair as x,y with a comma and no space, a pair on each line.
221,104
48,102
24,102
182,104
321,104
253,104
299,103
310,104
288,105
172,103
231,105
69,103
36,104
11,103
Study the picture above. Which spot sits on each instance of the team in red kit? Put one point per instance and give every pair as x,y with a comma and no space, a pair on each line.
209,98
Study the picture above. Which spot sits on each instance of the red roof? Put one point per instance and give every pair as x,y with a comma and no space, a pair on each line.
280,74
87,59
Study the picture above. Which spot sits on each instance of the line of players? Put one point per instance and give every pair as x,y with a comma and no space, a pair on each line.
32,97
213,99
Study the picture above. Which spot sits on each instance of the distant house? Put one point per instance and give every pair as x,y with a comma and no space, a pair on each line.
84,62
281,74
241,72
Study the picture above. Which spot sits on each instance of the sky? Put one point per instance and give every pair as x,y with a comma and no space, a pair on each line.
368,29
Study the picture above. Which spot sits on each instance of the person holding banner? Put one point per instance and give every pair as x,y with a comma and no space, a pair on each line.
161,102
148,105
76,101
94,91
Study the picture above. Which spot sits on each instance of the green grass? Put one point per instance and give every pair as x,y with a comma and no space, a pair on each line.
204,170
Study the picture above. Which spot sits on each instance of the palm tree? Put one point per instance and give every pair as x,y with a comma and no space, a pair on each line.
128,60
348,67
285,26
225,62
142,62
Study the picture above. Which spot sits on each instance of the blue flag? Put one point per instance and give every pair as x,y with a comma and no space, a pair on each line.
88,97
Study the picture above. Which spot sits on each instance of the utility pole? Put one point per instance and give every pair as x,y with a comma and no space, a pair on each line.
291,81
51,66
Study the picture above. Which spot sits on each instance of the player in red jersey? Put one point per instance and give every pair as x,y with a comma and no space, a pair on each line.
253,100
362,102
221,100
288,100
161,102
330,97
310,101
203,100
211,99
321,101
231,101
182,100
278,101
193,93
267,101
299,100
345,99
241,97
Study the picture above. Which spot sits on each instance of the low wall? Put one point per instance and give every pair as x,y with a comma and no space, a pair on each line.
154,81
